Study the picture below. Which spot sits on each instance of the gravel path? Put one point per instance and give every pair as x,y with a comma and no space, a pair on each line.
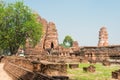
3,74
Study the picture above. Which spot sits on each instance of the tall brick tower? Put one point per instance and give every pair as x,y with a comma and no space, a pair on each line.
103,37
49,39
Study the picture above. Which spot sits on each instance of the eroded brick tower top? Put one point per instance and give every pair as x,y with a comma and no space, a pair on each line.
103,37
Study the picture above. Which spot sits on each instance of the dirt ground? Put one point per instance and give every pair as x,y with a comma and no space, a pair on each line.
3,74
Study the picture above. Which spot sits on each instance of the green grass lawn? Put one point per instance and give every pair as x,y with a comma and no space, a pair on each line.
102,72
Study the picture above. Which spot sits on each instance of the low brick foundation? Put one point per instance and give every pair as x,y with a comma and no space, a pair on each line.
19,73
23,68
53,69
106,63
90,68
116,74
61,77
72,66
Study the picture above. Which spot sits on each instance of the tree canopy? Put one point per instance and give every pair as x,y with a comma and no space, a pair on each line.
18,23
68,41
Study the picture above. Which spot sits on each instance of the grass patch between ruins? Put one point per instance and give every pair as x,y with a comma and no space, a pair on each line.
102,72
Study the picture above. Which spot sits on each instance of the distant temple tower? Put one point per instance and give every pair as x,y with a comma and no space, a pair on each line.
103,37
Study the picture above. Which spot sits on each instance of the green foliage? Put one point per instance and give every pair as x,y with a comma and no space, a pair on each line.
1,51
68,41
18,23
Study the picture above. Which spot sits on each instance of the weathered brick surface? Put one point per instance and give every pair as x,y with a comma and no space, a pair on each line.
54,69
22,67
101,53
106,63
65,59
40,76
20,73
61,77
72,66
48,40
116,74
90,68
103,37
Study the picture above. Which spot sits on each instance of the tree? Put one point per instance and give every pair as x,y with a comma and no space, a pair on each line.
68,41
18,23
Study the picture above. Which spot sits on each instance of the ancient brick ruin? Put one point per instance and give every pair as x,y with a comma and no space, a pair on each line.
103,37
90,68
49,45
106,63
46,57
116,74
26,69
49,38
72,66
101,53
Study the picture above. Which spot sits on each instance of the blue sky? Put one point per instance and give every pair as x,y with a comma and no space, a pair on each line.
81,19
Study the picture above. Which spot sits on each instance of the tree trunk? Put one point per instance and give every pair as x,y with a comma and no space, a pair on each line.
13,49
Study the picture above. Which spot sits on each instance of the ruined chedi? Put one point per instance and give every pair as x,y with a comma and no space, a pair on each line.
51,38
48,40
103,37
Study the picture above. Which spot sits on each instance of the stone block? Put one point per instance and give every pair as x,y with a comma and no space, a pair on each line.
106,63
60,77
53,69
90,68
116,74
72,66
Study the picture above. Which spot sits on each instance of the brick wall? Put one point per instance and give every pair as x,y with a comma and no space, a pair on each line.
20,73
23,68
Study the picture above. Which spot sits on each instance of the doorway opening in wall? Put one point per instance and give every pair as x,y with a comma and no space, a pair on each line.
52,45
